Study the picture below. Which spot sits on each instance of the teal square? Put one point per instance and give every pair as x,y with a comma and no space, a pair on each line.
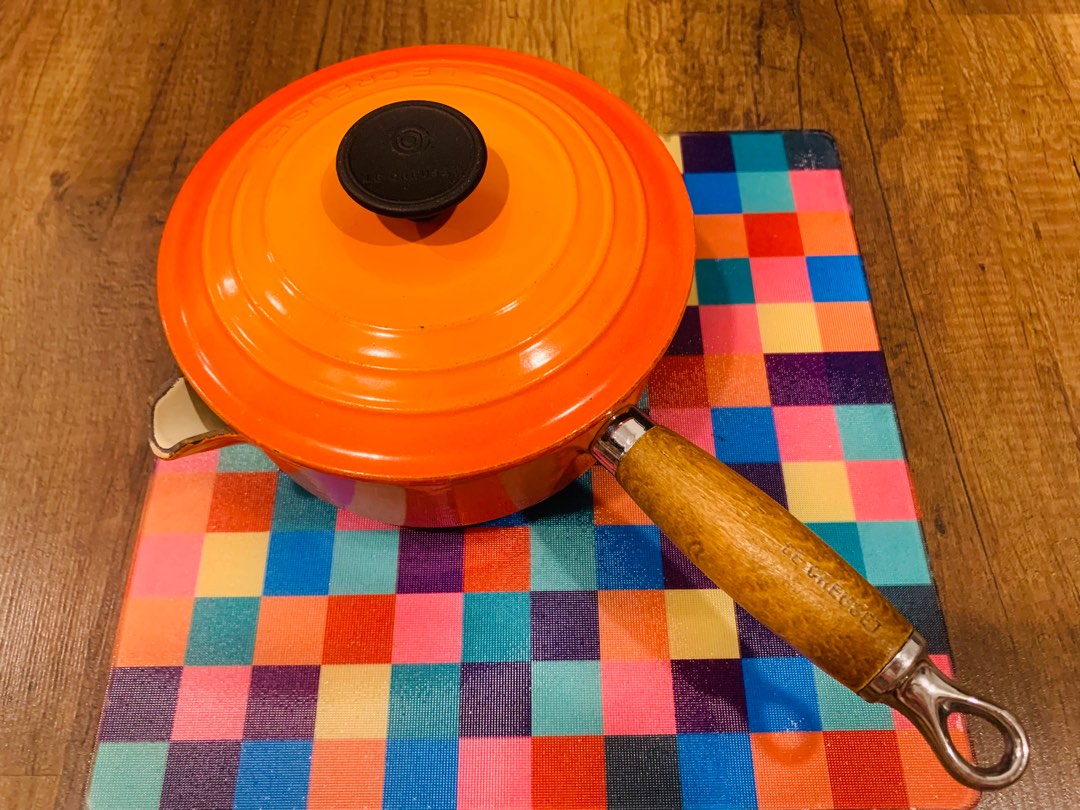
424,700
844,540
764,192
365,562
127,776
843,710
869,432
566,698
563,558
222,631
894,553
759,152
244,458
297,510
496,627
724,281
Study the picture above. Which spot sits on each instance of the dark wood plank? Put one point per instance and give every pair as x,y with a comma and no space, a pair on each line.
955,130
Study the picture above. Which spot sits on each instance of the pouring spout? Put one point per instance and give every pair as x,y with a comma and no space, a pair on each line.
181,424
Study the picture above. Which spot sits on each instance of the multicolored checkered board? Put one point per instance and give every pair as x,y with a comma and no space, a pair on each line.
276,653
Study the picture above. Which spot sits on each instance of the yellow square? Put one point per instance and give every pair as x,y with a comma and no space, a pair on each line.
354,701
818,491
788,328
232,564
692,301
701,624
674,147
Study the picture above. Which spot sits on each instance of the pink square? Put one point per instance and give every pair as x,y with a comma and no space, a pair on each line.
427,628
166,565
207,461
211,703
694,424
730,329
818,190
955,721
638,697
780,280
807,433
350,522
494,772
881,490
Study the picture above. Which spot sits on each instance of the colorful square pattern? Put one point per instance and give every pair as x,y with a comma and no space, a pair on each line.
275,653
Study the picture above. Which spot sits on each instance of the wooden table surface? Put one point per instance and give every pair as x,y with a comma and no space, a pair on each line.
956,120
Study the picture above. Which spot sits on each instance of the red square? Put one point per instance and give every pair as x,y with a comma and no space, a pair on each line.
679,382
497,559
568,772
242,502
881,490
773,235
855,783
359,629
694,424
211,703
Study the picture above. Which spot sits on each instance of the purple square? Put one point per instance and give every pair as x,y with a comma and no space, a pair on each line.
200,775
565,626
281,703
858,378
766,476
140,704
687,338
709,695
430,561
707,152
679,572
495,699
758,641
797,379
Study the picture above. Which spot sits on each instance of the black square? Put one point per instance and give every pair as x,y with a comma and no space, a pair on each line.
707,152
758,641
811,149
919,604
200,775
687,338
858,378
643,772
496,699
766,476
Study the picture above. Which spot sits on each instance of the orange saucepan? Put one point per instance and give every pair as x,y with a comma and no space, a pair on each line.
430,283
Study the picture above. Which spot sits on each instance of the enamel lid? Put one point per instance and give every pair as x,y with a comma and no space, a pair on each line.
426,263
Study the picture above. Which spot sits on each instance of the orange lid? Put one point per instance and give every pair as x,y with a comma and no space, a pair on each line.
393,349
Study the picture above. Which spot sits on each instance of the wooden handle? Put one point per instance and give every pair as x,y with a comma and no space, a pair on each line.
766,560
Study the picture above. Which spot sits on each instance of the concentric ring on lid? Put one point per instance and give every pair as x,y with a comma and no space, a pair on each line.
393,349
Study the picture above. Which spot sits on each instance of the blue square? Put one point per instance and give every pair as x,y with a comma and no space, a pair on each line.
780,694
724,281
273,774
765,192
299,563
222,631
894,553
628,558
717,772
496,627
837,278
514,519
420,773
244,458
713,193
759,151
844,540
296,509
745,435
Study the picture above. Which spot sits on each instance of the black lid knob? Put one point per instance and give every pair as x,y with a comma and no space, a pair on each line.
412,159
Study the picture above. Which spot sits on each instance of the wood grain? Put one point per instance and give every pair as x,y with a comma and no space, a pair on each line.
956,121
777,569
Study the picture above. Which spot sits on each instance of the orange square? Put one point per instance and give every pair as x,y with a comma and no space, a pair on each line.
152,632
497,559
633,625
736,380
928,786
791,771
178,503
720,236
847,326
290,630
827,233
611,504
346,774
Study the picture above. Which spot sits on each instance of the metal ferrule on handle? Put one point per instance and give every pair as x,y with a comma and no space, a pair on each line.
908,682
